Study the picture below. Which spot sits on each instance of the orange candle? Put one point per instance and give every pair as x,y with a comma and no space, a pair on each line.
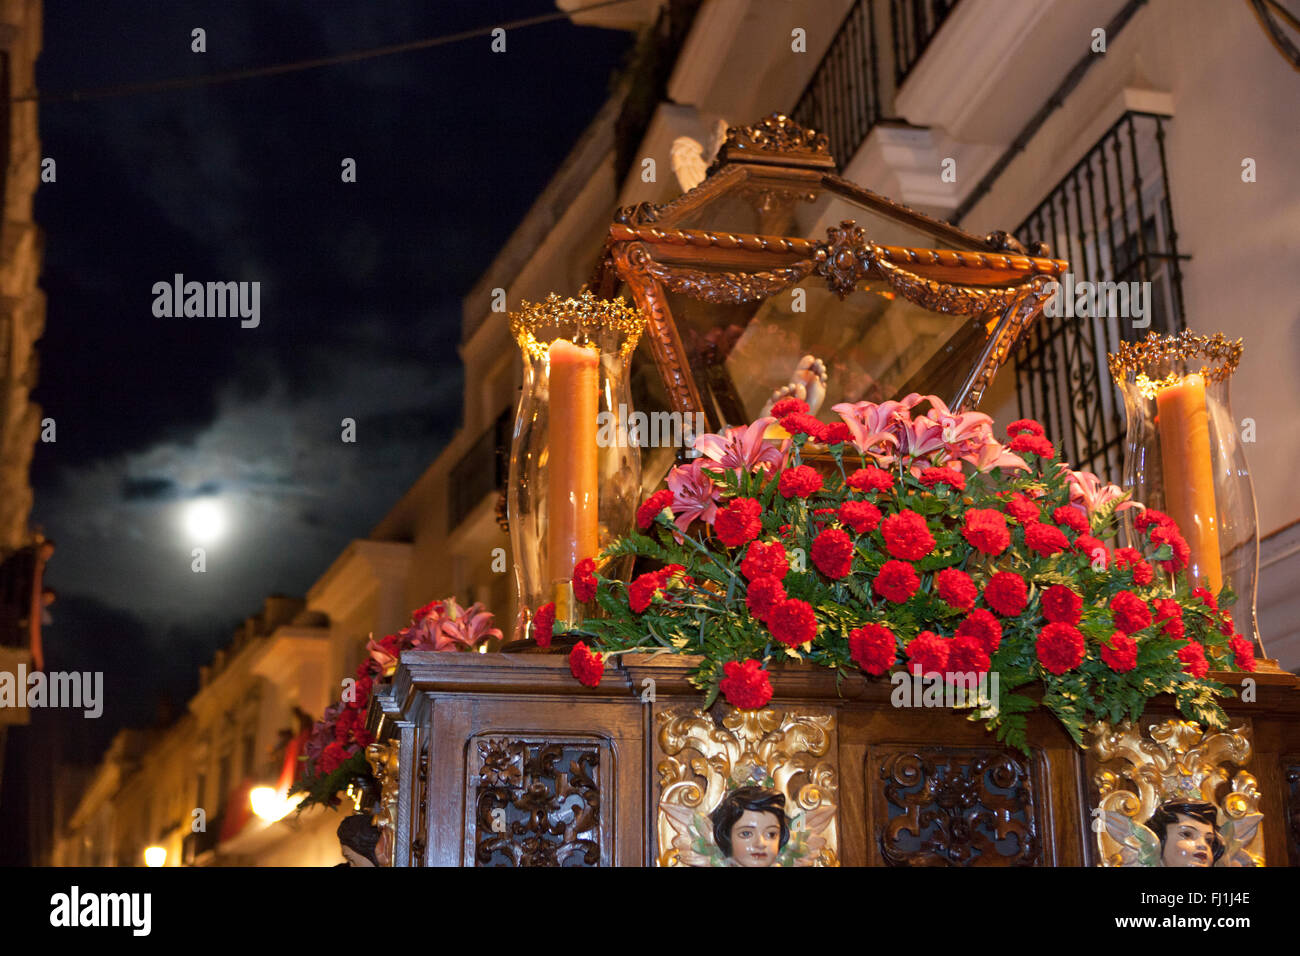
1184,427
571,463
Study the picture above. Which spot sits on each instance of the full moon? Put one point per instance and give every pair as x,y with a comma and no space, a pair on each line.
205,520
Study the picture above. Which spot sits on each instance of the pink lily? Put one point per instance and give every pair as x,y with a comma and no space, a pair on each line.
741,447
871,425
1088,493
993,454
694,494
464,626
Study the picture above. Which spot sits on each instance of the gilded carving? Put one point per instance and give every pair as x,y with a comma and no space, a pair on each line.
785,753
1146,781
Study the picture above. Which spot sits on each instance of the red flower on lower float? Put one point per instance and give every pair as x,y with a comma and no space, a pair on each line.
745,685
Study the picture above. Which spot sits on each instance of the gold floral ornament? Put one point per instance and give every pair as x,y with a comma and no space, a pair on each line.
781,752
1176,764
582,318
1161,360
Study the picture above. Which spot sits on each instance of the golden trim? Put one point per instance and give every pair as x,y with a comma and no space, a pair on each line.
586,313
1137,358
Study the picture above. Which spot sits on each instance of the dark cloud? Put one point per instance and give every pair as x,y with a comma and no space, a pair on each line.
149,489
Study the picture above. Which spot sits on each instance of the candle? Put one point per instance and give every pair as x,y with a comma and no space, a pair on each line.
571,464
1184,427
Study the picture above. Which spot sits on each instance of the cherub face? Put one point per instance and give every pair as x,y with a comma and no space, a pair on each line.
1188,843
755,838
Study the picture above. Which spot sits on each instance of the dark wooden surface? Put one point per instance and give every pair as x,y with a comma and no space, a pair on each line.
441,707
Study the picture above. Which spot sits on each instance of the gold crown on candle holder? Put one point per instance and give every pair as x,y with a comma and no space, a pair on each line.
587,312
1137,358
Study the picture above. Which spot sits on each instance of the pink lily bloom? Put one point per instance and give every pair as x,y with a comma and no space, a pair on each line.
993,454
1088,493
694,494
872,427
464,626
741,447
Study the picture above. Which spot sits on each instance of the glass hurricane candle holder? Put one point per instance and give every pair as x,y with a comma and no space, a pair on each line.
1183,455
574,475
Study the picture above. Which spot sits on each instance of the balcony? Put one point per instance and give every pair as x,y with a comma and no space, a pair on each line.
481,471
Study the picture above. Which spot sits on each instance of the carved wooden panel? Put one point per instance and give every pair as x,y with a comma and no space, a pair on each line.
535,802
945,806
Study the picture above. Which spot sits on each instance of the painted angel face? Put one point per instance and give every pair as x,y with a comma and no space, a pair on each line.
755,838
1188,843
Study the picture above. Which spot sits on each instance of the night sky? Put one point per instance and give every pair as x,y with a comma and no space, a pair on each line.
360,296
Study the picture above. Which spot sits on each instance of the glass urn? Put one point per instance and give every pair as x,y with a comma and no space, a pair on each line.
575,466
1183,455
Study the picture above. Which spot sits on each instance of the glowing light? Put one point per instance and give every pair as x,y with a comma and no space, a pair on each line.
205,520
155,856
270,805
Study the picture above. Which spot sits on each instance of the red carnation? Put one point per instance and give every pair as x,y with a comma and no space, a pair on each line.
967,654
1149,517
861,516
1022,509
1061,605
927,653
1193,657
897,581
1132,558
832,552
1070,517
1169,615
646,514
764,594
584,580
1033,444
1045,539
746,685
544,624
1120,653
738,523
1169,534
799,423
1025,426
956,588
1243,651
789,406
1088,545
982,626
792,622
873,648
930,477
1059,647
1206,598
331,758
765,560
1006,593
907,536
836,433
586,665
986,530
1131,612
799,482
870,478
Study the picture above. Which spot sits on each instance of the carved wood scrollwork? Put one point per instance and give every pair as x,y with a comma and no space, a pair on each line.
728,288
537,803
953,807
422,817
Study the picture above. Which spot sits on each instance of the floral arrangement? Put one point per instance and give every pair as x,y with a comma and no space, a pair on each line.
920,542
335,750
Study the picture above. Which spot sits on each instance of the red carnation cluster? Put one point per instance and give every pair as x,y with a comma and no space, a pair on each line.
907,536
861,516
584,580
745,685
1243,652
1045,539
586,665
1206,598
1023,509
1169,615
832,552
1120,653
932,477
1006,593
1192,655
738,523
1131,612
763,595
1025,426
641,590
1033,444
792,622
873,648
1092,549
1061,605
967,654
1143,574
836,433
799,482
983,627
927,653
870,478
801,423
1067,516
1170,535
544,624
646,514
896,581
986,530
956,588
765,560
1060,648
789,406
